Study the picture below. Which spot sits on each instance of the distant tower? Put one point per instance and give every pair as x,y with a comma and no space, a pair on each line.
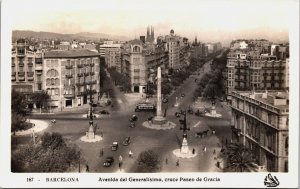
152,34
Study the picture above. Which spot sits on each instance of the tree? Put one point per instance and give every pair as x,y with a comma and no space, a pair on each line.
148,161
40,98
18,102
52,141
53,154
238,158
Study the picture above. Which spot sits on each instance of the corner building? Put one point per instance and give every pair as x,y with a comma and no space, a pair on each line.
261,123
70,75
23,67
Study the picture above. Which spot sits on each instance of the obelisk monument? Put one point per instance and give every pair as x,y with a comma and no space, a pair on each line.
159,117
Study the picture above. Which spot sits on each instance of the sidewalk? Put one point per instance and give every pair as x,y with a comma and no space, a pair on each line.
38,127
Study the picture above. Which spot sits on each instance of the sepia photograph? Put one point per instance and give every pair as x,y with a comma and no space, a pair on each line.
150,93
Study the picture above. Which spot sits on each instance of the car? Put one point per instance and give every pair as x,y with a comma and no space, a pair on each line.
108,161
114,146
177,114
126,141
104,112
182,95
133,118
165,100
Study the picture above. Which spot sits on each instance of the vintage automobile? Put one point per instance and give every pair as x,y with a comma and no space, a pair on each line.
114,146
108,161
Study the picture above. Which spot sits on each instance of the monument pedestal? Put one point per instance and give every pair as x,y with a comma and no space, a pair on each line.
184,148
159,120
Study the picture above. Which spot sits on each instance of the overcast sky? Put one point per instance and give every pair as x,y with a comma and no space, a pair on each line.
209,20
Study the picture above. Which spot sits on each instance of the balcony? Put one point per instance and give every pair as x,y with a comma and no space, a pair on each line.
69,76
30,78
240,80
13,76
69,67
30,74
13,65
30,64
80,74
72,95
21,78
79,66
86,74
92,64
92,82
38,67
80,84
21,74
92,73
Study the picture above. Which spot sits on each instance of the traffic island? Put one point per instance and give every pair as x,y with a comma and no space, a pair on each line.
164,125
184,152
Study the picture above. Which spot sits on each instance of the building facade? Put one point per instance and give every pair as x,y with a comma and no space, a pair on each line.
260,121
140,61
69,76
251,69
23,67
113,58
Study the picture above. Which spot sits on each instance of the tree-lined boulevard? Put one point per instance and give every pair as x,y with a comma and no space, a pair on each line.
71,125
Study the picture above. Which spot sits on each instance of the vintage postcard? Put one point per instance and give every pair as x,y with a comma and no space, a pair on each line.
126,94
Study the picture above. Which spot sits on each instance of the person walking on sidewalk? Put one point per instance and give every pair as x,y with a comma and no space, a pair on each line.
193,151
166,161
204,149
177,163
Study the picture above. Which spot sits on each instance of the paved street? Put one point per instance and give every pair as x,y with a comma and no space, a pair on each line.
115,127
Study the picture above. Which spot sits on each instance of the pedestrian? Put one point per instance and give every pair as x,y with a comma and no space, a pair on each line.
87,168
101,134
204,149
226,141
213,132
193,151
130,154
167,161
218,164
214,151
177,163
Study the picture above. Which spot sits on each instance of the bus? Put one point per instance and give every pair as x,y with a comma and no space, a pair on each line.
145,107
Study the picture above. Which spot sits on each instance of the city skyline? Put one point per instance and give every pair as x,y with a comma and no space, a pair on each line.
204,19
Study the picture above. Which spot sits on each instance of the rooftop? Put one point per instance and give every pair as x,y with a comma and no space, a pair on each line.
74,53
278,99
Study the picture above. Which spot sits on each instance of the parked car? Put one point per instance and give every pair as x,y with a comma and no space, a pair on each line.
133,118
105,112
108,161
114,146
126,141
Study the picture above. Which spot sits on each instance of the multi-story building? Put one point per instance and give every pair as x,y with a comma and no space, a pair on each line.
140,62
250,69
108,45
69,76
177,47
23,67
261,122
113,58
